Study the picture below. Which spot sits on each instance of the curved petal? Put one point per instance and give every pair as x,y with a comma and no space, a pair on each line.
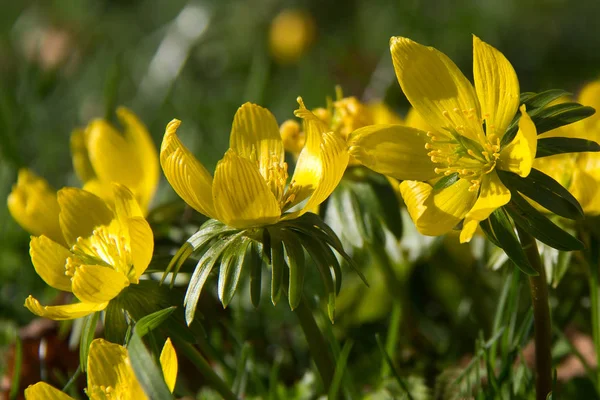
80,213
59,313
142,244
334,160
80,156
126,205
42,390
168,363
113,159
240,194
190,180
49,259
309,168
394,150
33,204
436,88
415,120
437,212
493,194
518,156
255,136
585,183
497,88
102,189
98,284
590,96
141,143
381,113
108,366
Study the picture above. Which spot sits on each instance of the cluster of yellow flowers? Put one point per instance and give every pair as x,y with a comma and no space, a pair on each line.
95,241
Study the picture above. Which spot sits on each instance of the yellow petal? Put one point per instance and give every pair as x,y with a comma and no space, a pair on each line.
590,96
334,160
59,313
585,183
292,137
141,142
102,189
497,88
142,244
43,391
436,212
255,137
81,212
98,284
81,158
415,120
492,195
518,156
126,205
49,259
240,194
109,366
190,180
33,204
168,363
382,114
394,150
436,88
113,158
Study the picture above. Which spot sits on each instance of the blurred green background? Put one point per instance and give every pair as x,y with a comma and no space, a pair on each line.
65,62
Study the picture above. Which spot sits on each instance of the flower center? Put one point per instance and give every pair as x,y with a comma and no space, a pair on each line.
275,174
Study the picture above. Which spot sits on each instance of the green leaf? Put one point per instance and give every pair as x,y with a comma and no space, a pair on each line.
540,227
87,335
200,275
446,181
540,100
184,252
146,371
340,369
545,191
253,263
502,229
231,269
559,145
153,321
277,266
294,256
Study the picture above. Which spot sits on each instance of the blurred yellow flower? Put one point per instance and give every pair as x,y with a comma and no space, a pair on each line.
107,249
578,172
463,145
291,34
249,186
110,375
101,156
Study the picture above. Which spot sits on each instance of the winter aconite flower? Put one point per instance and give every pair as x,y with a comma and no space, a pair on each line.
110,375
107,249
449,172
101,156
291,34
578,172
249,188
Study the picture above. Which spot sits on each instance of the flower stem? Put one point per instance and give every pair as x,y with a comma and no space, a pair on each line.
541,315
317,345
205,369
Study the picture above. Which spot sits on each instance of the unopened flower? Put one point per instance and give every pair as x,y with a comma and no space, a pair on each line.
291,34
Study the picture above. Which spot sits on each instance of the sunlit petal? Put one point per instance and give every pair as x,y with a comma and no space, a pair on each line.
190,180
493,194
436,212
497,88
590,96
142,244
49,259
126,205
81,158
68,311
394,150
241,196
436,88
168,363
80,213
98,284
43,391
518,156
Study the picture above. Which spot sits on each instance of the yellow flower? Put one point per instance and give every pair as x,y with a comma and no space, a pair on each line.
578,172
107,249
33,204
467,125
291,34
110,375
101,156
249,185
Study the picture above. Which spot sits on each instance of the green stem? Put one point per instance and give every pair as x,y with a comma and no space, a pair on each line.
205,369
317,345
541,316
595,308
